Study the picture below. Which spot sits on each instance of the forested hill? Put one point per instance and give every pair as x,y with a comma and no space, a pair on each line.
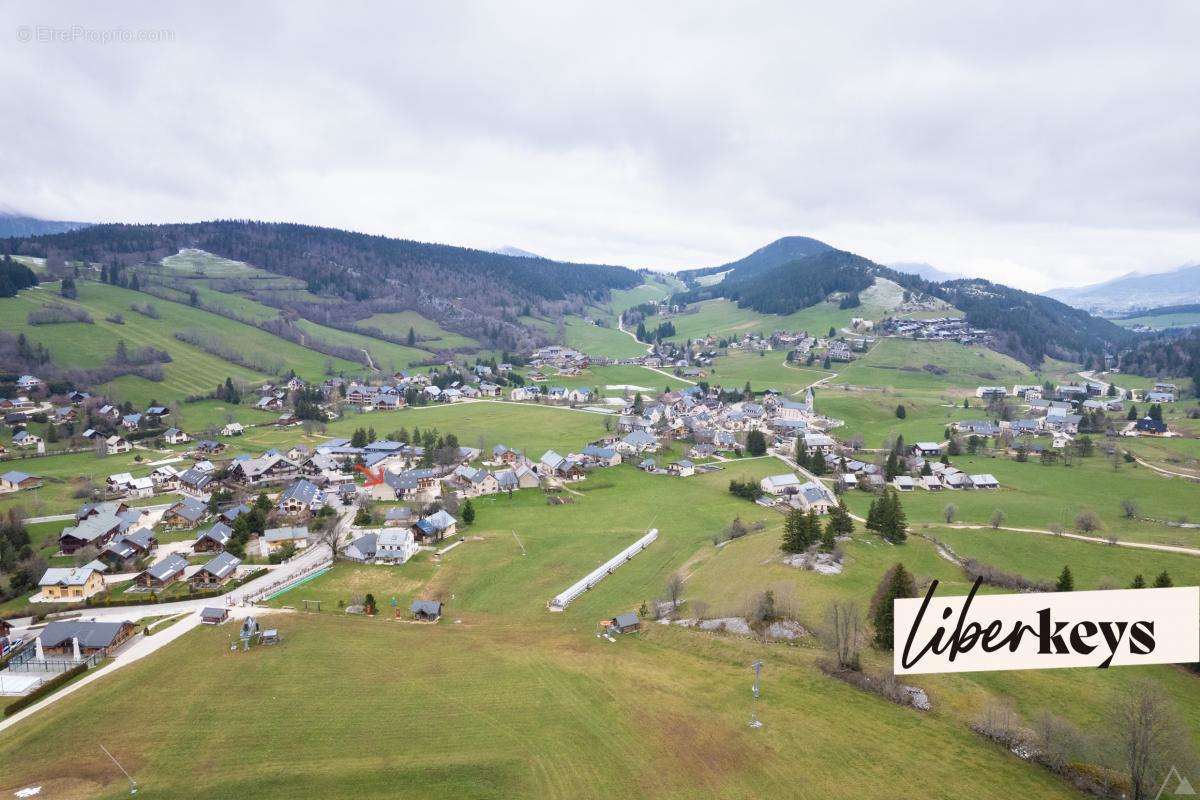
18,225
342,263
777,253
1026,325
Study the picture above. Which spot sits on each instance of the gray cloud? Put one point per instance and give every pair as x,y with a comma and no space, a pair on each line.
1039,146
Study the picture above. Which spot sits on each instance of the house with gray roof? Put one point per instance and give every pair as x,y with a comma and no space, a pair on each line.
60,637
216,572
163,573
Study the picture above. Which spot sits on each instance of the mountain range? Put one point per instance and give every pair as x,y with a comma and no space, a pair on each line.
796,272
1135,291
14,224
485,294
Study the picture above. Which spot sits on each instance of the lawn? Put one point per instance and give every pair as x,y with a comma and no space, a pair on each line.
1037,496
764,370
1163,321
430,335
909,364
872,413
524,702
595,340
1094,566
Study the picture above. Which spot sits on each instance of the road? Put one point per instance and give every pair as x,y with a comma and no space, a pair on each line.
237,602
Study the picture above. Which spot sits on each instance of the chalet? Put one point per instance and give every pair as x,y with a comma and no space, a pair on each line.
61,637
302,497
426,610
233,429
27,383
638,442
399,517
815,496
123,551
1159,397
435,527
957,480
931,483
985,481
267,468
194,480
904,483
848,480
603,456
115,445
474,482
625,623
216,572
15,481
991,392
780,484
94,531
487,389
187,513
415,485
232,513
384,546
209,447
525,392
131,422
504,455
175,436
213,540
274,539
681,468
24,439
927,449
269,403
60,584
819,443
978,427
519,477
163,573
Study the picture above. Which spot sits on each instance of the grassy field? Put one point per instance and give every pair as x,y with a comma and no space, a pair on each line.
766,371
1094,566
597,341
908,364
1162,321
1037,496
523,702
873,413
430,335
191,370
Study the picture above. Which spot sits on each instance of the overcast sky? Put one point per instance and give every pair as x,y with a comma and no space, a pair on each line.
1043,147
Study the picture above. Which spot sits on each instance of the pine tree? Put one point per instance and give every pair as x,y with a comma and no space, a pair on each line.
1163,581
1138,582
893,525
801,453
897,583
892,467
756,443
816,464
873,515
793,532
901,412
467,512
1066,582
1132,415
412,336
840,518
829,536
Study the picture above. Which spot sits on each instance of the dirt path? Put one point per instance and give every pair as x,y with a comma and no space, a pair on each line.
1162,471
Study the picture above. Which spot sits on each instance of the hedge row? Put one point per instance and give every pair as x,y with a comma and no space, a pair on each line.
43,690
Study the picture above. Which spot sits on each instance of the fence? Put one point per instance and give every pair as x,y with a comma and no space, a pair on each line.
283,584
27,661
561,601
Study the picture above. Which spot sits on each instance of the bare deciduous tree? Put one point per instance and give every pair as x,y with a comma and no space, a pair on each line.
845,633
1151,738
674,589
